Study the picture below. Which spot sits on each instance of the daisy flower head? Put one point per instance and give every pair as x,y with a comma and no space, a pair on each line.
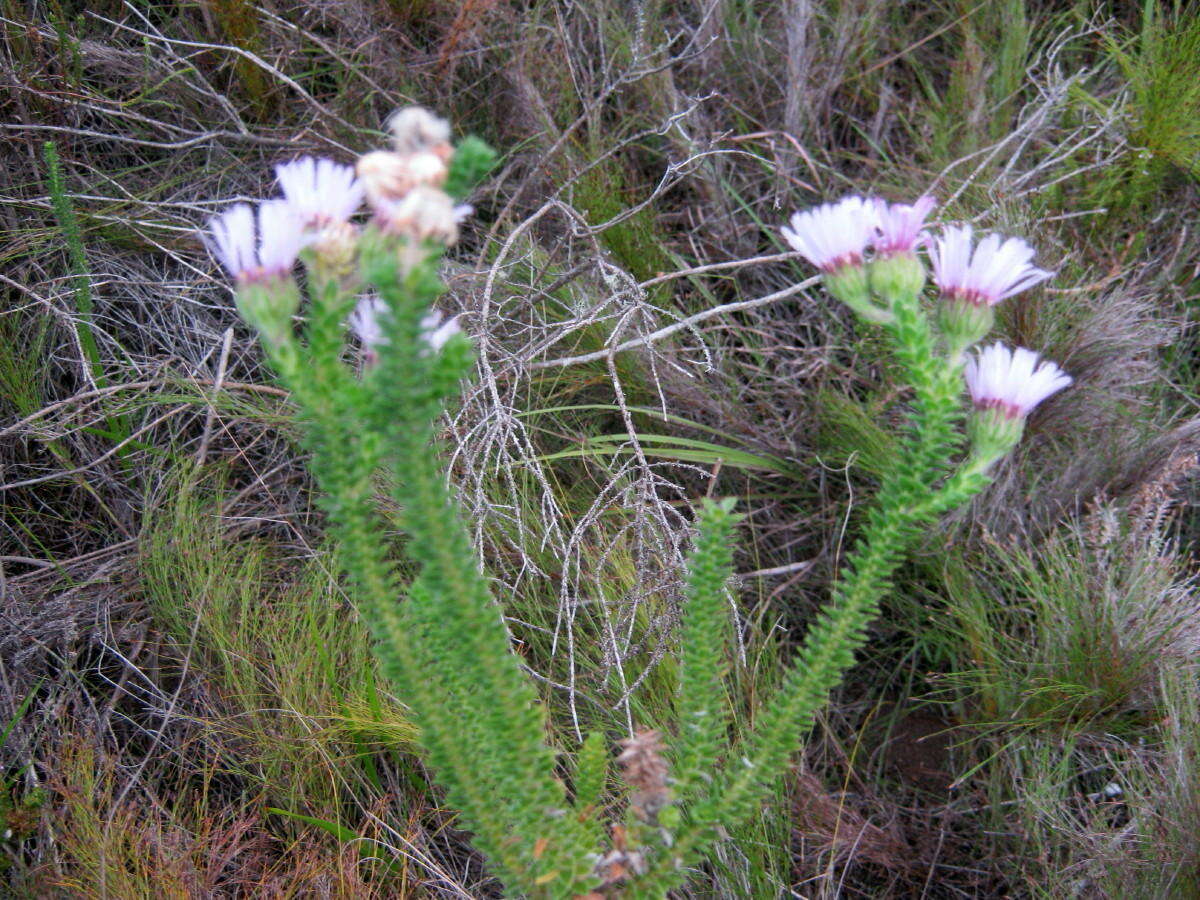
995,270
834,235
281,236
365,320
323,193
231,237
900,225
436,330
896,273
259,252
973,280
367,324
1005,385
257,249
1012,381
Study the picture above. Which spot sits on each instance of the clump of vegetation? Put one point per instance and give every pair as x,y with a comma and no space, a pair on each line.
643,338
1161,62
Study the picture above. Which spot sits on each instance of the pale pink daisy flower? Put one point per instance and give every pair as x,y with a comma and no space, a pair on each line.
997,269
262,251
1011,382
322,192
834,235
366,323
899,228
436,330
231,236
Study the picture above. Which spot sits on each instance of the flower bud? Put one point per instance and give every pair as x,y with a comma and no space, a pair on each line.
390,176
335,249
850,284
269,306
417,130
964,323
993,432
895,277
425,214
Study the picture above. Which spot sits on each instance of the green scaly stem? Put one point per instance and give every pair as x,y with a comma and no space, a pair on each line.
516,805
904,502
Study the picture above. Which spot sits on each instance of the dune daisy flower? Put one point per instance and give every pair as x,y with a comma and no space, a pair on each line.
366,323
259,253
324,195
972,281
900,226
322,192
436,329
232,237
998,267
1005,385
834,237
896,272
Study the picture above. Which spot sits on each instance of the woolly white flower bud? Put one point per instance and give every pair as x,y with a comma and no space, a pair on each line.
424,214
390,176
415,130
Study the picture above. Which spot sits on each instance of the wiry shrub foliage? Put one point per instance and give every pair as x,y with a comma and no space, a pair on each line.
446,647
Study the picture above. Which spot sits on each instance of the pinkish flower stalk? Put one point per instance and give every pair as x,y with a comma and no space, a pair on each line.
834,237
1005,385
973,281
896,273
